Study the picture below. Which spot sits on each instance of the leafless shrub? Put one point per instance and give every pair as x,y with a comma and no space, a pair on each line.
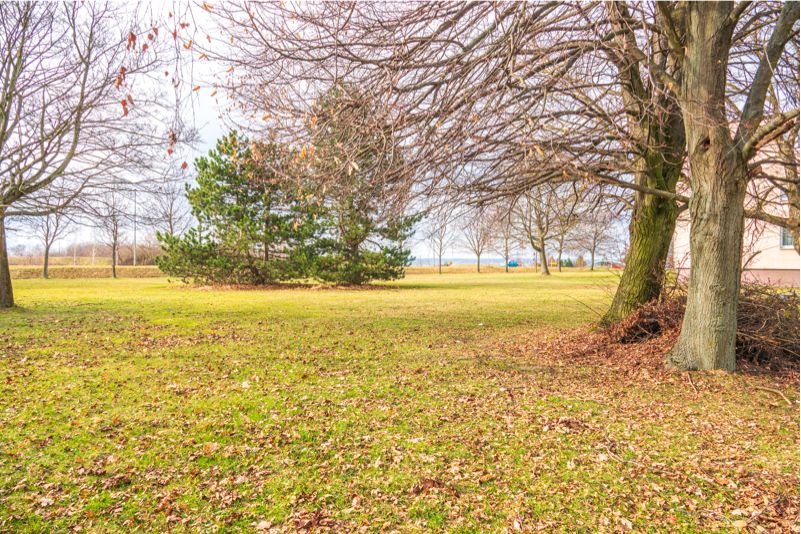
767,322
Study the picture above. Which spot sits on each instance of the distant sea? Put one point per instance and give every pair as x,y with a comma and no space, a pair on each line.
468,261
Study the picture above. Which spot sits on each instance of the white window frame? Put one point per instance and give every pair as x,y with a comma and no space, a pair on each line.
782,231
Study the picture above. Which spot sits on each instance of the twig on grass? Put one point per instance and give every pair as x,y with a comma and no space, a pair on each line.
776,392
690,380
755,516
596,312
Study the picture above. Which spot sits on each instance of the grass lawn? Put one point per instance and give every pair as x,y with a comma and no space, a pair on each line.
424,405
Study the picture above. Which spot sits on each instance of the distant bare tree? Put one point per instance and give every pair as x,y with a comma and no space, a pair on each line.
52,225
48,229
108,213
168,210
506,227
440,233
478,232
595,230
567,207
535,213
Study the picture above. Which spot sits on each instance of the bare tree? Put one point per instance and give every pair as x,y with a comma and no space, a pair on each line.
168,210
595,231
535,213
75,102
567,205
108,213
52,225
529,92
48,229
506,230
440,233
719,169
478,232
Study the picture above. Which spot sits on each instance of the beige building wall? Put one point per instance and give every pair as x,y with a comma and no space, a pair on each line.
768,256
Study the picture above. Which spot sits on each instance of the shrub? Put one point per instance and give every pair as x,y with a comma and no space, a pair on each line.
767,321
257,227
252,227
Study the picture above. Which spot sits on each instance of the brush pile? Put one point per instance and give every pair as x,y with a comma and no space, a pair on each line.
767,322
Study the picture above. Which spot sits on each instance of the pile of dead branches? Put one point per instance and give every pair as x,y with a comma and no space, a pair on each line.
767,322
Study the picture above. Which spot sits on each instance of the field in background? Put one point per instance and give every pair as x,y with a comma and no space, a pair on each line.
19,272
423,404
38,261
494,268
103,270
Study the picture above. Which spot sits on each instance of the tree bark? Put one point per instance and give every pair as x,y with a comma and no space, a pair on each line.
6,292
45,273
709,329
544,270
656,123
478,263
650,233
592,259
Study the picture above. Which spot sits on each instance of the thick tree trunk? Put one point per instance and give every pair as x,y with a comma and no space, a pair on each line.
655,121
478,263
650,233
709,329
6,292
592,259
440,265
45,272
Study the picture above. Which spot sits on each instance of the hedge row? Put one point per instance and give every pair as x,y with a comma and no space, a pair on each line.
97,271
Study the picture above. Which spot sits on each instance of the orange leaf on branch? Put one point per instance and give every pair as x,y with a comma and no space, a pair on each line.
120,78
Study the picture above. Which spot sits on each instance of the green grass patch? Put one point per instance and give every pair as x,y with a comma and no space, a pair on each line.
145,404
